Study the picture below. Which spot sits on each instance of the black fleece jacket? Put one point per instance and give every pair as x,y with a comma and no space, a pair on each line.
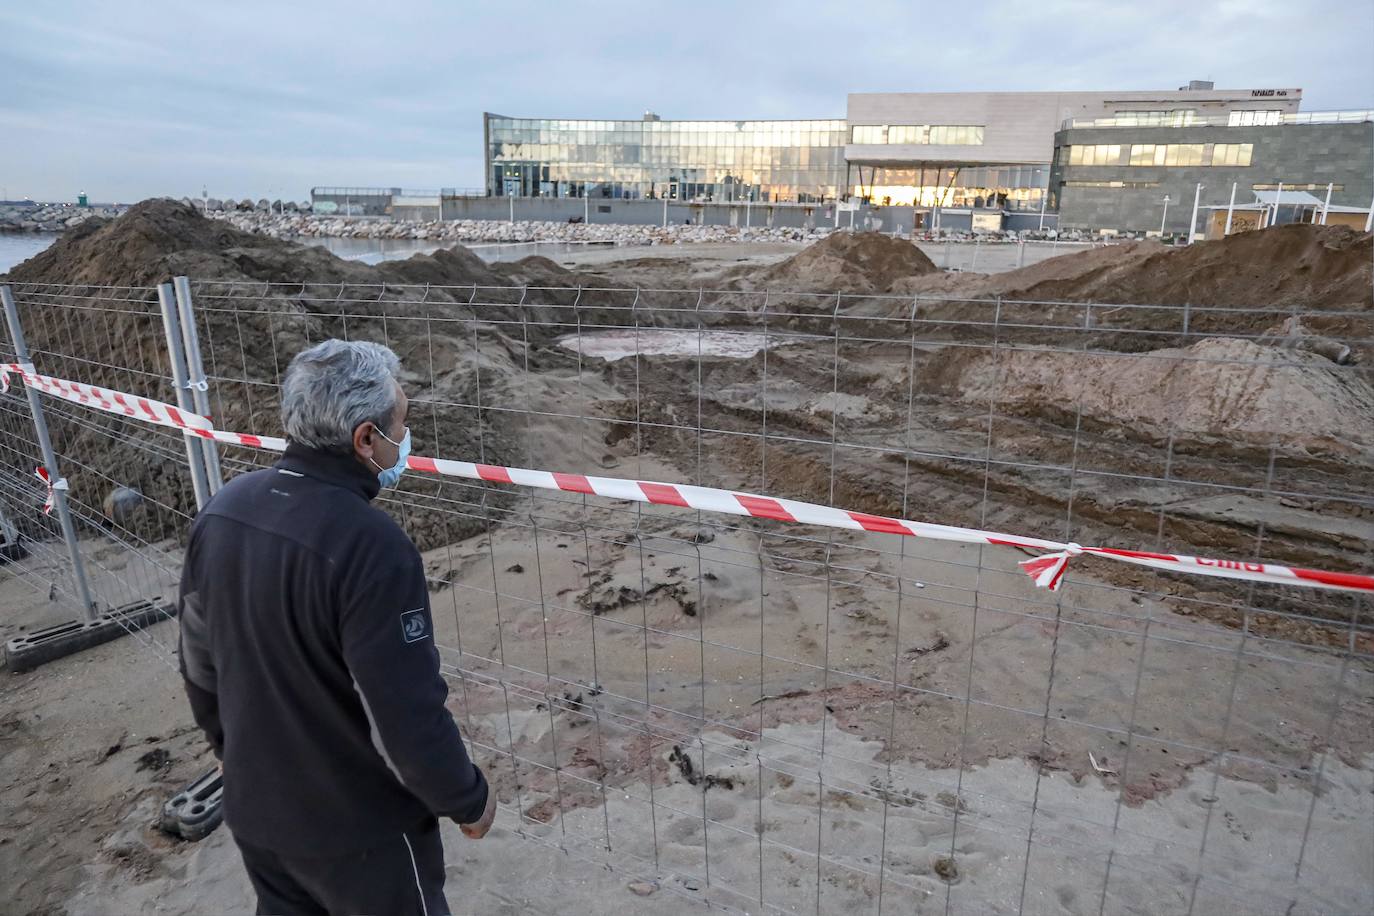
307,649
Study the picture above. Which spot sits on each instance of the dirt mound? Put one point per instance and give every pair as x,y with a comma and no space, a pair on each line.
260,301
1221,394
1310,266
848,262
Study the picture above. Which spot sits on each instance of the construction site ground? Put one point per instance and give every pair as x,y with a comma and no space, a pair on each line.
1247,430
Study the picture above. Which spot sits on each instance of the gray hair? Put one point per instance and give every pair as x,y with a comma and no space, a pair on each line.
333,388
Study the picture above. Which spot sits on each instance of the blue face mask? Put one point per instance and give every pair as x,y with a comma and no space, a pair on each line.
389,477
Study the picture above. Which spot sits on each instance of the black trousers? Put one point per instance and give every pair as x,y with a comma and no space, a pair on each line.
402,874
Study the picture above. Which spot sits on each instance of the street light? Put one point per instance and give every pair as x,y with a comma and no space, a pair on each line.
1165,217
1192,226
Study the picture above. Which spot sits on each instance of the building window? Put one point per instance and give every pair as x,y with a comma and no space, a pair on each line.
1253,118
907,133
1111,184
1100,154
956,135
1232,153
1183,154
919,134
1176,117
1176,155
1297,187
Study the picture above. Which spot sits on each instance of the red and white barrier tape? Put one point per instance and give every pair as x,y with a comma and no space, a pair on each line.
52,485
1047,571
145,409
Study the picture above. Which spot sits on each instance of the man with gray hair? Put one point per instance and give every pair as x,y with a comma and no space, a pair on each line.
308,656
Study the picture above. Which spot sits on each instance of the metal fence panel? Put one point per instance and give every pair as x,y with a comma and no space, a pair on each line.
790,718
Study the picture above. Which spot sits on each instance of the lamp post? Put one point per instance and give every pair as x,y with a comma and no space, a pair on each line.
1165,217
1192,227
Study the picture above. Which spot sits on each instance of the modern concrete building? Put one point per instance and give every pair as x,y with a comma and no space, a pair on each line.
928,149
956,160
994,149
1116,173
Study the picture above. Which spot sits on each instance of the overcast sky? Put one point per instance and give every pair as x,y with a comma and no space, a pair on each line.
138,99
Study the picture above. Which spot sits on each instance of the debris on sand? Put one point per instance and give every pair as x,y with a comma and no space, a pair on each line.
684,764
156,760
1099,768
939,645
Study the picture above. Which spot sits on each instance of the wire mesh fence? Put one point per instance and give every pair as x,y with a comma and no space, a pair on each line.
126,499
788,718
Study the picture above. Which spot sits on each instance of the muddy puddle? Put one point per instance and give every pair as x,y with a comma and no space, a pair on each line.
619,344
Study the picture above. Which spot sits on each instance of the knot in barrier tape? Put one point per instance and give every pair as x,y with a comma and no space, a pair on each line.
53,486
1048,571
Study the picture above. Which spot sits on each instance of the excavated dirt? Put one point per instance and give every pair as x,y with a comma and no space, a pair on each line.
1243,284
863,262
1157,399
1220,394
1244,431
266,299
1317,267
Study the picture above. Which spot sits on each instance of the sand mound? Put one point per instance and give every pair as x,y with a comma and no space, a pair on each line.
1221,393
849,262
1315,267
253,330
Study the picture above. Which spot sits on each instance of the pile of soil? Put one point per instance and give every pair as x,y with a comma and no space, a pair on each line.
848,262
1245,284
250,327
1223,395
1316,267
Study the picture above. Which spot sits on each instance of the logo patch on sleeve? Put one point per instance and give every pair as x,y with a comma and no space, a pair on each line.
414,627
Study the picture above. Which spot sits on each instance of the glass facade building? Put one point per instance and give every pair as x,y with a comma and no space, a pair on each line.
973,150
766,161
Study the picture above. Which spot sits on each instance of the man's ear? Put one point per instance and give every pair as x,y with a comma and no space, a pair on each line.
364,439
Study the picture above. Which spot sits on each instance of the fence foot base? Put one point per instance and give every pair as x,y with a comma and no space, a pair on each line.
24,653
195,811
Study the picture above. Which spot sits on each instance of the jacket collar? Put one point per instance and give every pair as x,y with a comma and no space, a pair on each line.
329,467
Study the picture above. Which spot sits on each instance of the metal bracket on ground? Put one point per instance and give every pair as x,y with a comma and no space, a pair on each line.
24,653
195,811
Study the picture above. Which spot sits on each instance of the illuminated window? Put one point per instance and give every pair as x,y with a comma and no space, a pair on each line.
1176,117
921,134
1232,154
1252,118
1099,154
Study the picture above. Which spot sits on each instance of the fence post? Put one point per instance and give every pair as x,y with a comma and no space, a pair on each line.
196,370
166,298
59,485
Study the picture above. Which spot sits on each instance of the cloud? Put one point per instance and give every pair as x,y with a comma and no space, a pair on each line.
133,100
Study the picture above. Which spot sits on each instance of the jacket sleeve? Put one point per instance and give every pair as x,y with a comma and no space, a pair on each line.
196,657
387,637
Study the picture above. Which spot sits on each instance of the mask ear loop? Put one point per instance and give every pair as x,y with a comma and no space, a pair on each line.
378,430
